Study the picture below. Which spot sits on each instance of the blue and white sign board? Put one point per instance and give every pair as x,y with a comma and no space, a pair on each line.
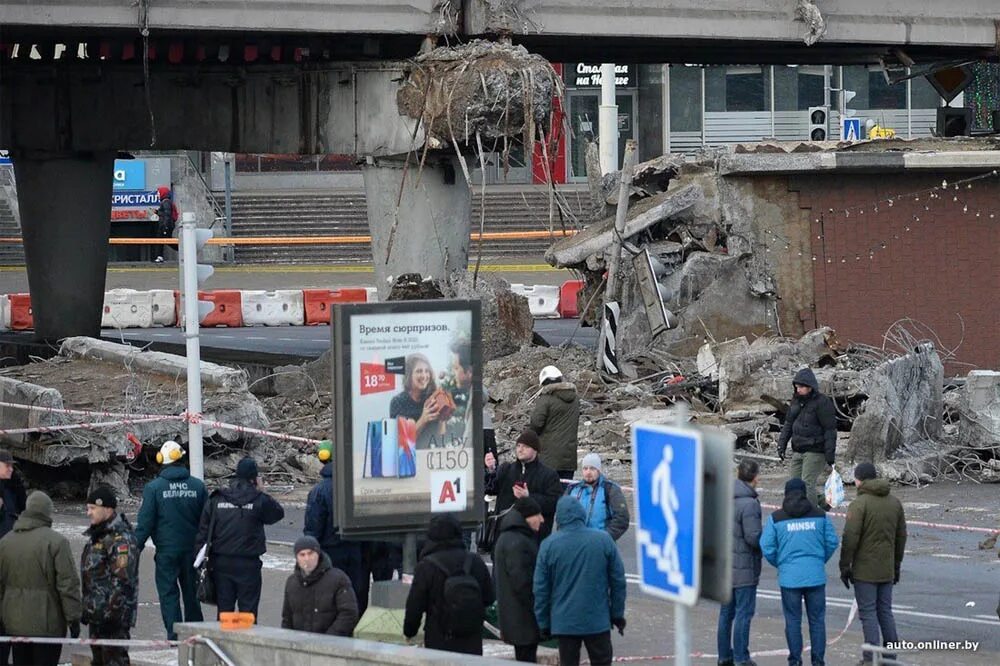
850,129
667,469
130,175
4,158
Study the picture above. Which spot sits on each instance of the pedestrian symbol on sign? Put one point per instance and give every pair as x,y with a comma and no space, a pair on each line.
667,466
850,129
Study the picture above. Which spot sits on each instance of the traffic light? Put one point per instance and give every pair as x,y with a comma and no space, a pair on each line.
192,240
648,272
819,123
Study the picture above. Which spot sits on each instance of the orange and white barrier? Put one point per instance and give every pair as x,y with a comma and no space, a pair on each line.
130,308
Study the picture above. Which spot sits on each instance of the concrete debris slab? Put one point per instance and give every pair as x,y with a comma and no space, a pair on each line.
979,411
596,239
904,408
104,377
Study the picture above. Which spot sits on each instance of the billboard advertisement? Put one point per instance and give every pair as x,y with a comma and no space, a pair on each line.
408,381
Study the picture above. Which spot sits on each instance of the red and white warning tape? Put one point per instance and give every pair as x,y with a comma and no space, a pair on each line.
130,419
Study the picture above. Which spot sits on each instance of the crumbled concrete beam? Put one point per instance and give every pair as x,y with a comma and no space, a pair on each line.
596,239
710,355
150,361
979,410
26,393
905,406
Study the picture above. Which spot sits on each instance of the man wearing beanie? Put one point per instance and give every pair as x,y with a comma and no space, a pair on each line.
513,570
527,476
28,592
872,553
798,539
171,510
556,419
602,499
318,596
109,570
232,528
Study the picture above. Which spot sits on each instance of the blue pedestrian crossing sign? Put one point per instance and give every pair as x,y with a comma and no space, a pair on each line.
667,470
850,129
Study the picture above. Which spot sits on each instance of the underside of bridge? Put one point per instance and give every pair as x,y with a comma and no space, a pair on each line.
74,93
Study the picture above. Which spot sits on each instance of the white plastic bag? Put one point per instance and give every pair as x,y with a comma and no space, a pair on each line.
834,489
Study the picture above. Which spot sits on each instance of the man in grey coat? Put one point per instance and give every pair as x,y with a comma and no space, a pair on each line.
735,616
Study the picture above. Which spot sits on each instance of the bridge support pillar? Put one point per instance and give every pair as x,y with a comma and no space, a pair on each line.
65,204
419,219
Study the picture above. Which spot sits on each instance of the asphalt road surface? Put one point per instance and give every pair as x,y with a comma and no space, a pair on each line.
948,589
309,342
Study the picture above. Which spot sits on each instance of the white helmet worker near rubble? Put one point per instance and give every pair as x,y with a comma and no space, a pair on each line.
556,419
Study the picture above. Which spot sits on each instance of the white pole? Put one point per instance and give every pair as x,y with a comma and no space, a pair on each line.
189,275
608,120
682,635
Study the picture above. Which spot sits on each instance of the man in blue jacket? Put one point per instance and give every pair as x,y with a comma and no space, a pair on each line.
798,539
344,555
602,498
577,567
171,509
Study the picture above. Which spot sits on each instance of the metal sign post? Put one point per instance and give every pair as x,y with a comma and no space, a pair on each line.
189,281
667,469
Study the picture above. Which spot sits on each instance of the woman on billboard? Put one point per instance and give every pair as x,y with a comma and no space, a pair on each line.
417,401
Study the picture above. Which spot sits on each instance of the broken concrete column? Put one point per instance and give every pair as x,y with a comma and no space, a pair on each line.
905,406
419,219
65,205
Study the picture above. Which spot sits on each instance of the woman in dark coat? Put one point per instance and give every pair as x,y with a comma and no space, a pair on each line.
513,571
445,549
318,597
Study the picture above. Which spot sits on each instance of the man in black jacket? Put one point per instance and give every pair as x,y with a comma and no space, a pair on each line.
12,493
236,517
811,426
526,477
513,571
344,555
444,551
318,596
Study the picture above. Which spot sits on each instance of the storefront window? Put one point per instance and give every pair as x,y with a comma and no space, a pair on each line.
883,95
746,89
797,88
923,95
685,98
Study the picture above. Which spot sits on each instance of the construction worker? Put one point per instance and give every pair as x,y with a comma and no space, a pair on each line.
109,569
171,510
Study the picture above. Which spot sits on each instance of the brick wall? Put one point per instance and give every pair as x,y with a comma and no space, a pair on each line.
874,268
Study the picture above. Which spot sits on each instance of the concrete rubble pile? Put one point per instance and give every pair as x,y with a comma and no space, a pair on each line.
94,375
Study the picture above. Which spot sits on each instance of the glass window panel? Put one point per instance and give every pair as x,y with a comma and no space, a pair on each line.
685,98
882,95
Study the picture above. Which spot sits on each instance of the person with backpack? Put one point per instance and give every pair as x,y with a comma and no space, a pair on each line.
451,590
602,499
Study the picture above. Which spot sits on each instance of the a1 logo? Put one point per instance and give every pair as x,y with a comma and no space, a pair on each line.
448,491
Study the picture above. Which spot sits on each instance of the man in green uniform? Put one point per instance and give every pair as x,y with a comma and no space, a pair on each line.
109,569
170,512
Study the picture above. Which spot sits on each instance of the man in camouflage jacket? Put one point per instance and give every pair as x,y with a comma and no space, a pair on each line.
109,569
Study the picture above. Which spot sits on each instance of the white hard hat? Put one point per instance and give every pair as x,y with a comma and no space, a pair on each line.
548,372
170,452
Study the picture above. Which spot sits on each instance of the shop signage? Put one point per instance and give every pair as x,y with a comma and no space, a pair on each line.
588,75
130,175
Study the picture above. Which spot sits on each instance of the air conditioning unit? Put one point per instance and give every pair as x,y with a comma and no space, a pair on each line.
819,123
